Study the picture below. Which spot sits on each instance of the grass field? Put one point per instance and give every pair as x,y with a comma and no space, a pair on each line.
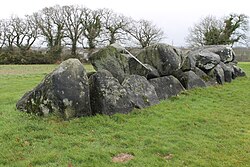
201,127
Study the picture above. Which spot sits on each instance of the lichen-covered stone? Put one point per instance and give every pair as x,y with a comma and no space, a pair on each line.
65,91
218,73
228,72
167,86
152,72
204,59
107,96
189,63
190,80
238,72
225,52
165,58
120,63
210,81
138,68
141,92
112,60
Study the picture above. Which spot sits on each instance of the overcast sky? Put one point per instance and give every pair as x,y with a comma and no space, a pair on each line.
173,16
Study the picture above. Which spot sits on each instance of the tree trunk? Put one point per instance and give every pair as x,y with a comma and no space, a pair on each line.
91,43
73,49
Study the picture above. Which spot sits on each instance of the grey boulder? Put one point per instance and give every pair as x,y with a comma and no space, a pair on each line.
228,72
217,73
238,72
225,52
189,63
190,80
112,60
205,60
210,81
138,68
120,63
165,58
107,95
167,86
65,91
141,92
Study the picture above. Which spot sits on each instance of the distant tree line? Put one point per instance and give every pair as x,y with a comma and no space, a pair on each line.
72,26
58,27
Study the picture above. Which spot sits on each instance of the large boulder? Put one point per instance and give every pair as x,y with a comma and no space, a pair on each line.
210,81
120,63
165,58
65,91
238,72
189,62
228,72
111,59
204,59
141,92
135,66
107,95
138,68
218,73
225,52
190,80
167,86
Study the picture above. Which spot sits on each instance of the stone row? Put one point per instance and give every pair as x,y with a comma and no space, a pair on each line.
123,81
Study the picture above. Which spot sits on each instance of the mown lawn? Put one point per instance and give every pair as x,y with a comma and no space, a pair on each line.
201,127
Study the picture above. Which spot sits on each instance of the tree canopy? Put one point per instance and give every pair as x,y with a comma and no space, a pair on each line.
225,31
74,26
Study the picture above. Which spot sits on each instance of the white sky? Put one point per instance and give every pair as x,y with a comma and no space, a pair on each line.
173,16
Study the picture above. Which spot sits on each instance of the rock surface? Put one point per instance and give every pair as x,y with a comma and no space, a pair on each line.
107,95
210,81
141,69
165,58
121,63
110,59
225,52
190,80
238,72
141,92
167,86
189,63
205,60
218,73
228,72
65,91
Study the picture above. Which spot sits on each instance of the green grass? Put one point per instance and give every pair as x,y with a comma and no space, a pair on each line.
201,127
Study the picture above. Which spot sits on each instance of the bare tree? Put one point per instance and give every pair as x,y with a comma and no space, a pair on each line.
24,31
213,31
18,32
73,24
114,26
8,34
91,23
51,26
197,33
2,33
145,32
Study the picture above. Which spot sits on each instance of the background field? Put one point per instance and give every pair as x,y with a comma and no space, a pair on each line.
201,127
